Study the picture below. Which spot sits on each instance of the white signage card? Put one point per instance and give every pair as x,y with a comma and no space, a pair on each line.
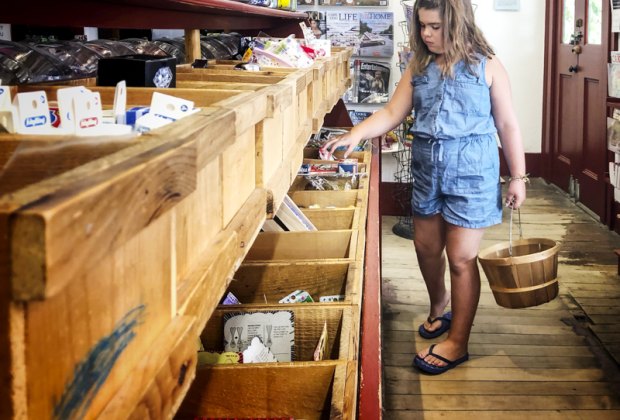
5,31
509,5
33,111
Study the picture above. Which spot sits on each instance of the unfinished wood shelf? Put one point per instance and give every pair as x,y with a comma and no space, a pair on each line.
123,247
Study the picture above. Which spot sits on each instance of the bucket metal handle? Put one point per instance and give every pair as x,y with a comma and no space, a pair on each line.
512,210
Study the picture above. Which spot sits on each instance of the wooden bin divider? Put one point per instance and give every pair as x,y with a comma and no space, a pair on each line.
333,219
281,180
325,199
344,71
302,390
320,94
201,288
306,245
268,282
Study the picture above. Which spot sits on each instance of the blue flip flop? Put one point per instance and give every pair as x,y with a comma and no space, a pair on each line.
446,320
426,367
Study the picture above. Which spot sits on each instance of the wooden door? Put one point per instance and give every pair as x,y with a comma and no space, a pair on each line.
578,111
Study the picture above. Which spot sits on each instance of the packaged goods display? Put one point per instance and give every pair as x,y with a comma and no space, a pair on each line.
30,65
45,60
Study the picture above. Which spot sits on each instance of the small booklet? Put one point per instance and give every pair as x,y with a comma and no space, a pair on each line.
276,331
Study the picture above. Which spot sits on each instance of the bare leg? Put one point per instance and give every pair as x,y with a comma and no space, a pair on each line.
430,241
462,246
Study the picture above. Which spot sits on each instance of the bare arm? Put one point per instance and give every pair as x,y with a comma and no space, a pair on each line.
507,129
381,121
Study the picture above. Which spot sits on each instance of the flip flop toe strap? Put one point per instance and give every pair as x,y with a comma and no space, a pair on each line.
436,356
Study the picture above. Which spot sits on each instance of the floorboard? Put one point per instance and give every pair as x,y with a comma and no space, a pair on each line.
559,360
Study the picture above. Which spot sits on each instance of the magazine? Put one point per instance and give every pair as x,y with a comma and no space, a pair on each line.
376,34
368,33
358,116
613,81
318,24
372,81
343,29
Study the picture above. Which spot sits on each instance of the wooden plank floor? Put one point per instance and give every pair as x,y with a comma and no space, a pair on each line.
559,360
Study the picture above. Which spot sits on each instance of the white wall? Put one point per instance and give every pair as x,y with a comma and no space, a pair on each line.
518,39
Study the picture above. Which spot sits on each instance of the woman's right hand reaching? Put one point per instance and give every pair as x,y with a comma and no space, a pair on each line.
347,139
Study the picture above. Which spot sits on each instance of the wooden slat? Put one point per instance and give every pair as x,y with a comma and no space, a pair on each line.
333,244
275,391
159,382
52,243
270,282
192,45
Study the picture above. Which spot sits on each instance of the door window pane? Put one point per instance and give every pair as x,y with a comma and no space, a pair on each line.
595,22
568,20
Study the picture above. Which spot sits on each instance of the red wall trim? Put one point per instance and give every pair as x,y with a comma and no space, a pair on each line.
370,397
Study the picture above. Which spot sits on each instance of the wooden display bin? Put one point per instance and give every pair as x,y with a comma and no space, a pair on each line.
301,389
314,245
115,251
69,260
326,199
309,320
333,219
313,153
258,283
171,196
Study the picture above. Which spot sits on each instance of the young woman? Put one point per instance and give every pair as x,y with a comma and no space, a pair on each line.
461,97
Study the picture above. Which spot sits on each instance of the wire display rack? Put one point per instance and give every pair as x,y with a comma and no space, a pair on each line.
402,175
404,181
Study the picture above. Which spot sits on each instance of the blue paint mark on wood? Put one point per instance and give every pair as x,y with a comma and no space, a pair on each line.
93,371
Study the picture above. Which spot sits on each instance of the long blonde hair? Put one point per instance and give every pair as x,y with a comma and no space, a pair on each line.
462,38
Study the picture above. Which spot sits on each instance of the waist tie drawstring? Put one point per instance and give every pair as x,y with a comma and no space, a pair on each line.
433,142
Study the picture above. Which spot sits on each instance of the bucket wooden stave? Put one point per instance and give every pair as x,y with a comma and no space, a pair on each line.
528,277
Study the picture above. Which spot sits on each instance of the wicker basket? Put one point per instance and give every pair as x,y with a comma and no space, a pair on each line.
522,273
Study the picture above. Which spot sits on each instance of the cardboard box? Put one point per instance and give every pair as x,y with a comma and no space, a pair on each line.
137,70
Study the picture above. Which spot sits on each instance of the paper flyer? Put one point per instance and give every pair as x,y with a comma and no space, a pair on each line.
276,331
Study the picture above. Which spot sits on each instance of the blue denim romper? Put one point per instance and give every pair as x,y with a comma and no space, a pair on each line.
455,161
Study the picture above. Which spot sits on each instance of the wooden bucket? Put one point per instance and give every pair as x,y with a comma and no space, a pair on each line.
528,277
